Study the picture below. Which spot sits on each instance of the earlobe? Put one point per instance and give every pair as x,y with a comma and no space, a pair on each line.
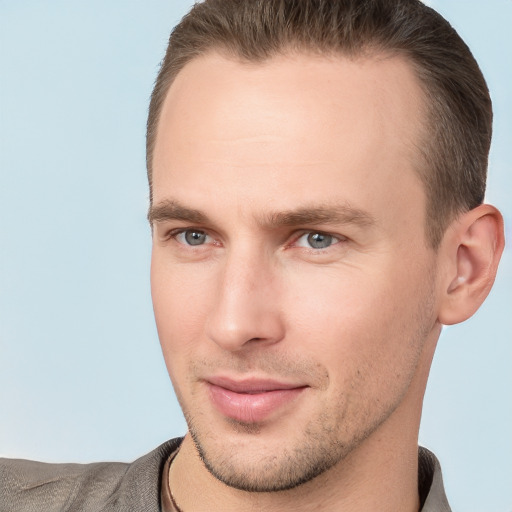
471,251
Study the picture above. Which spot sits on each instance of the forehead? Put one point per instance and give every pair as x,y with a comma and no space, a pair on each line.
302,123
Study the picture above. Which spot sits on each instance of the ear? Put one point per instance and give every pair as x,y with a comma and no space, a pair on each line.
470,253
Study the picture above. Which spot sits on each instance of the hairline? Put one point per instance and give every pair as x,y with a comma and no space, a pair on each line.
419,148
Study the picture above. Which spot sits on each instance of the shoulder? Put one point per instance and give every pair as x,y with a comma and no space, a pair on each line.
104,486
49,487
430,483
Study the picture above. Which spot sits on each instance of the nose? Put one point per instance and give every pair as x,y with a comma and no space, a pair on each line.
246,309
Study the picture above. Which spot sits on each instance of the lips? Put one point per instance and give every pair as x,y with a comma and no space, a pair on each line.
251,400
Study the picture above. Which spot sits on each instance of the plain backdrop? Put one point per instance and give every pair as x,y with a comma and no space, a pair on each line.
81,374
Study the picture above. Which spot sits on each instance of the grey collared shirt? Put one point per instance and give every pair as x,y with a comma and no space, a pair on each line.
430,484
28,486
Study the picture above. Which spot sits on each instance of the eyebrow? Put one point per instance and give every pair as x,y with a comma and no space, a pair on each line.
172,210
323,214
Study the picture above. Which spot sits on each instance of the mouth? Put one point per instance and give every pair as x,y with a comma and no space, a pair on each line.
251,401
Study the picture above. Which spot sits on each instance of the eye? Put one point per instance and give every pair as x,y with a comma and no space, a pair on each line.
316,240
192,237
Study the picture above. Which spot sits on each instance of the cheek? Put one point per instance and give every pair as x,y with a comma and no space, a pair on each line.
355,323
368,335
179,304
181,300
334,304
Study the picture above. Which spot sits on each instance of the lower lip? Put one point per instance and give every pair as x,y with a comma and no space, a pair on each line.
251,408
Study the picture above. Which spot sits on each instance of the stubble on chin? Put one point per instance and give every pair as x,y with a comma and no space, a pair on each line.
243,461
270,472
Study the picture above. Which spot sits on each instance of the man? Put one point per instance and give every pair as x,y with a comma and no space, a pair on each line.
317,172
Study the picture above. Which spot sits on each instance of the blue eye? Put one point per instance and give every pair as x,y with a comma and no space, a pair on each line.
192,237
315,240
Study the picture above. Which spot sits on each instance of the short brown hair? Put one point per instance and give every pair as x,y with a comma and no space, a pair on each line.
459,124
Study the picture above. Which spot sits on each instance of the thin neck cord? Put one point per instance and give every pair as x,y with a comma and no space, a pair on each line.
175,505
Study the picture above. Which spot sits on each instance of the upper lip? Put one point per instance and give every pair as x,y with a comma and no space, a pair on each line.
251,384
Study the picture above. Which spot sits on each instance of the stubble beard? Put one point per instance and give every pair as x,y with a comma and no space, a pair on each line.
301,457
279,471
324,442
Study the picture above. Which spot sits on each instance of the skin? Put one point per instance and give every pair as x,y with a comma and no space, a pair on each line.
255,158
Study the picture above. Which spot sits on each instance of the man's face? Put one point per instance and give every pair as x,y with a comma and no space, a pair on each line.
291,279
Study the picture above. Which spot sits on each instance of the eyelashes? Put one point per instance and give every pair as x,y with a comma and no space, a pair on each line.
192,237
317,240
312,240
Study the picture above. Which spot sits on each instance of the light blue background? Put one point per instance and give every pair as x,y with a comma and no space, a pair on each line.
81,374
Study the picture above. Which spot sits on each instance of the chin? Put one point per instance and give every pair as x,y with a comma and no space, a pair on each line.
245,460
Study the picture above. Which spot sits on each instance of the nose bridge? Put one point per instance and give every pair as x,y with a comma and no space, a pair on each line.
245,309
